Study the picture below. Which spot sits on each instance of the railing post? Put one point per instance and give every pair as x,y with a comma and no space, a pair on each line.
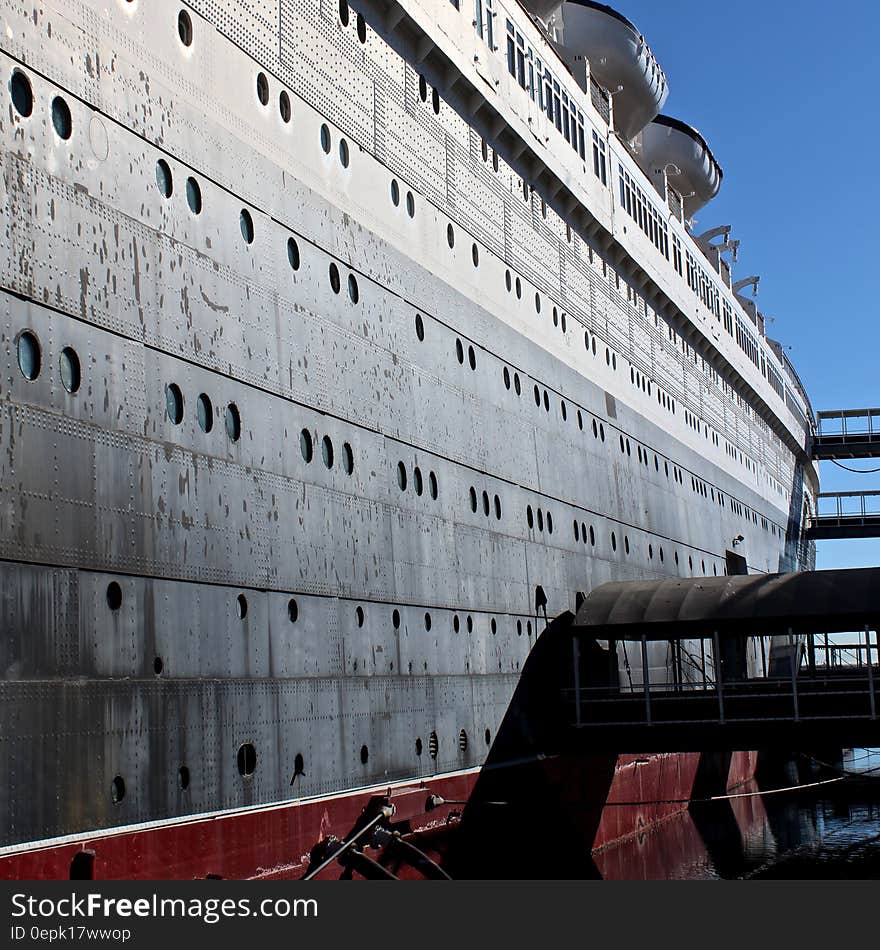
870,673
794,668
718,679
646,678
576,658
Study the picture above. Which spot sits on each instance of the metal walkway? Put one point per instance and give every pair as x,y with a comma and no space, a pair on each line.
807,684
847,434
845,515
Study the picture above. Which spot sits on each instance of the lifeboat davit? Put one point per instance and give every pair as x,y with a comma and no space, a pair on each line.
690,166
620,60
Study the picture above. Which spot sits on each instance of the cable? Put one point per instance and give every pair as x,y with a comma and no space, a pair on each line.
855,471
720,798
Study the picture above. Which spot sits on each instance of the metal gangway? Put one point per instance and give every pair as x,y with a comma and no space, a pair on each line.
845,515
815,684
847,433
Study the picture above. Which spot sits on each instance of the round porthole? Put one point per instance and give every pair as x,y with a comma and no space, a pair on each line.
432,482
353,291
22,93
365,755
344,156
335,282
246,759
241,606
343,12
193,195
263,89
246,224
292,610
284,106
327,451
184,28
70,369
117,789
293,257
305,445
410,204
395,192
360,616
183,778
420,328
450,235
325,139
174,403
164,181
114,596
347,459
233,422
401,476
62,121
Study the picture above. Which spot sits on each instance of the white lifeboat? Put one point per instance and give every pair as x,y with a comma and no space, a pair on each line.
620,60
671,145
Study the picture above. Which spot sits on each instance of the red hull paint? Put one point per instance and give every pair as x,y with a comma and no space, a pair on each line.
274,842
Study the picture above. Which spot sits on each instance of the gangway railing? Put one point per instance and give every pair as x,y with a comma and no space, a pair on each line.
845,515
847,433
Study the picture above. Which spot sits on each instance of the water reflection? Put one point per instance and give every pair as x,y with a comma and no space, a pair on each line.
829,832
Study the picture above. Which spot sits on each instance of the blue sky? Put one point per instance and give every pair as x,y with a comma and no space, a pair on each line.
786,95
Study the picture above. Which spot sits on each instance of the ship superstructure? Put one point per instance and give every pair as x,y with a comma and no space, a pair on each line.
345,343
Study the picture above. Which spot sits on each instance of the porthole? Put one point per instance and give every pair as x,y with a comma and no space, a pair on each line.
516,384
584,532
580,420
488,737
325,138
518,285
401,476
459,351
117,789
335,283
241,606
62,121
158,665
562,322
507,280
353,293
493,626
546,401
432,484
486,504
613,541
204,413
164,181
506,375
626,544
293,257
343,12
359,616
530,518
563,410
456,626
365,752
292,610
470,624
435,101
537,397
427,621
305,445
462,741
284,109
246,759
344,156
433,745
347,459
417,480
174,403
423,89
555,317
549,523
576,531
395,619
263,89
537,303
473,495
540,515
327,451
183,778
472,358
184,28
497,508
114,596
193,195
395,192
246,223
592,537
420,328
70,369
410,204
518,631
361,29
233,422
418,746
450,235
22,93
475,255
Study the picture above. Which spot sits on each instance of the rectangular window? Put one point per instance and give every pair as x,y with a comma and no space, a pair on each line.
478,18
511,50
520,61
599,167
